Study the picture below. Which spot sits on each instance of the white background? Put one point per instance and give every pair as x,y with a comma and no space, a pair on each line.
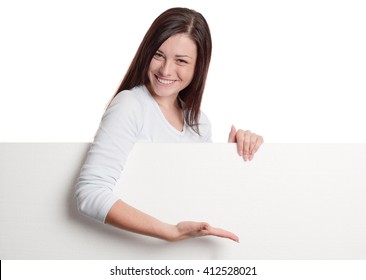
293,71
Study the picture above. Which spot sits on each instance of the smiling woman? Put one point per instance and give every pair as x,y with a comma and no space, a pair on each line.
176,25
158,101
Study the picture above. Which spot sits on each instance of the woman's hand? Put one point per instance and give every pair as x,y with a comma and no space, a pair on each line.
185,230
248,143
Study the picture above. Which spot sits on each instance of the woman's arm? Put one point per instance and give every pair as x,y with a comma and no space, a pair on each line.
107,156
129,218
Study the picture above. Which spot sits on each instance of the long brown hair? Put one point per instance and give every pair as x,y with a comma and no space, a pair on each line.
174,21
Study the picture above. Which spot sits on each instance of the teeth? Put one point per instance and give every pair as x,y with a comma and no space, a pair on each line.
165,82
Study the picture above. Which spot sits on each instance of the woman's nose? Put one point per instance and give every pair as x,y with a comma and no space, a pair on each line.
167,68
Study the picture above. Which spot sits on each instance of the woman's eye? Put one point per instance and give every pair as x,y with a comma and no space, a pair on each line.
181,61
158,55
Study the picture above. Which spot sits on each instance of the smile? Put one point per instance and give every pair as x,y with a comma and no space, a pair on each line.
165,82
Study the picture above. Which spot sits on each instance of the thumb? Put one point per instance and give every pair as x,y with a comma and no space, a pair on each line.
232,135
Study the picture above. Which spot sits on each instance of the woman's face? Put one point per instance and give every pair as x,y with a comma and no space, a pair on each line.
172,67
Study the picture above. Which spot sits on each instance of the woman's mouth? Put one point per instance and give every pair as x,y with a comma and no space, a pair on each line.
164,81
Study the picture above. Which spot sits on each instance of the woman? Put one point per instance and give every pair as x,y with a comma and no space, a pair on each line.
158,100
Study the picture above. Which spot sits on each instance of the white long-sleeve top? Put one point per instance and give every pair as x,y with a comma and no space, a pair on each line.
133,116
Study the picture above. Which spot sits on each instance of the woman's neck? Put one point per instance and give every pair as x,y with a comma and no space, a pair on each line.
167,102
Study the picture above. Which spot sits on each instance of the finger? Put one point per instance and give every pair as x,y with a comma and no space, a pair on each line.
196,229
218,232
240,141
232,135
258,142
246,144
252,145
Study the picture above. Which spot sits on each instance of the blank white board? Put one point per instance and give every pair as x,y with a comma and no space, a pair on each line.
293,201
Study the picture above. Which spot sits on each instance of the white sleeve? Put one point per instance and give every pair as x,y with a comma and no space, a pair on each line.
108,153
